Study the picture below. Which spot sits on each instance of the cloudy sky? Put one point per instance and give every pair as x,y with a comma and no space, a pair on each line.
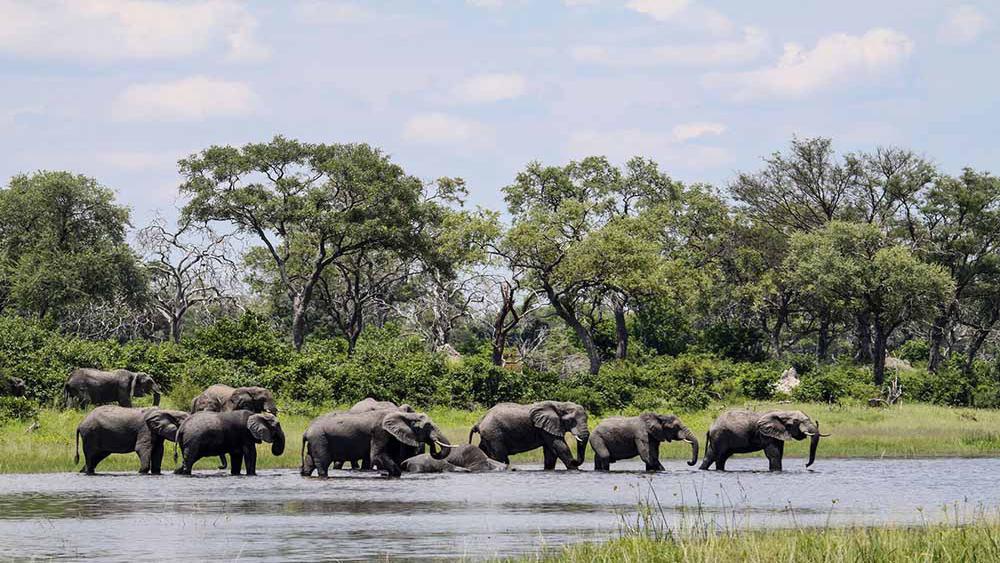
120,89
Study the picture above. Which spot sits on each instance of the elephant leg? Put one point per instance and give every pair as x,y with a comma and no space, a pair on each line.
145,453
602,456
340,465
92,459
774,452
357,463
366,464
649,451
720,460
250,456
156,458
222,461
550,458
709,459
235,462
562,451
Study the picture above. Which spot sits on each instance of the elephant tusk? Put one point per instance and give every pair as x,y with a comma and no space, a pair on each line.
442,445
824,435
688,441
809,433
578,439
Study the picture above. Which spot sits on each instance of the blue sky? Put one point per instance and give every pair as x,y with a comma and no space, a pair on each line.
120,90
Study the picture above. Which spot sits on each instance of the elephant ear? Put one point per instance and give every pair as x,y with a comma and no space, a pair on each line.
398,425
652,423
772,425
260,426
545,416
165,423
405,408
240,399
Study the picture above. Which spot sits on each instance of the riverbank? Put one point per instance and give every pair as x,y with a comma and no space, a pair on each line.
906,431
941,543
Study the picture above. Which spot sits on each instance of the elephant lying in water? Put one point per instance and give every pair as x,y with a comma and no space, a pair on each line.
236,433
462,458
740,432
510,428
119,430
620,438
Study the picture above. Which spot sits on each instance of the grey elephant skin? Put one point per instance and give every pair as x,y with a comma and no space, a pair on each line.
511,428
385,437
12,386
235,433
462,458
620,438
369,404
119,430
740,432
223,398
86,386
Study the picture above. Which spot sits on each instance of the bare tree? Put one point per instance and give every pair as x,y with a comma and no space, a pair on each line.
509,306
188,267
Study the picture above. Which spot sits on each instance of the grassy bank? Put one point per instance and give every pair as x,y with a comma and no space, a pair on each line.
943,543
912,430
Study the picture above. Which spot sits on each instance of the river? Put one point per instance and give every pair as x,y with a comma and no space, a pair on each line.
280,516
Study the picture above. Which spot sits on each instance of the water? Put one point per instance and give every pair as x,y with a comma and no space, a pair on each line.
280,516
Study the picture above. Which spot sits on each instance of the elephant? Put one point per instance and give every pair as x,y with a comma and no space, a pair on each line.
385,437
740,432
511,428
619,438
370,404
236,433
12,386
222,398
117,430
93,386
462,458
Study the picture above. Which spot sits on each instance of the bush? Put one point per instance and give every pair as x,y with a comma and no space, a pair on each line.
833,383
914,351
757,382
476,381
17,408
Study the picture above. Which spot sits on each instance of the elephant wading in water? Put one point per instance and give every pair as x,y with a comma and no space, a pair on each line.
623,438
740,432
369,404
510,428
462,458
384,437
223,398
119,430
236,433
95,387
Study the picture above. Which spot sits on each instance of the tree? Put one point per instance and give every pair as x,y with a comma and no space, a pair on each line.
308,204
62,246
883,282
189,267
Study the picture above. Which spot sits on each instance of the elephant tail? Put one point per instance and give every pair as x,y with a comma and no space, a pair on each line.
473,430
76,458
302,453
180,436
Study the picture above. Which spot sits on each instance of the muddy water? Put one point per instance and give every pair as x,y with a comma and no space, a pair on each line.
280,516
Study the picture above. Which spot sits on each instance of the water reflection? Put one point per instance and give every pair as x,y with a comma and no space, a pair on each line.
281,516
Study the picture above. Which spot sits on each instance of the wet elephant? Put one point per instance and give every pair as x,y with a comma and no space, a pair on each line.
236,433
511,428
223,398
462,458
620,438
118,430
740,432
86,386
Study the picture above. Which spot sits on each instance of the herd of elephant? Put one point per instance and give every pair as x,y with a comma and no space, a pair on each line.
380,435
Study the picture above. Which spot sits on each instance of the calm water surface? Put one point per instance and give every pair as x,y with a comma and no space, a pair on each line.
280,516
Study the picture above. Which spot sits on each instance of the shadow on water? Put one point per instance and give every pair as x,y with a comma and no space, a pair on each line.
360,515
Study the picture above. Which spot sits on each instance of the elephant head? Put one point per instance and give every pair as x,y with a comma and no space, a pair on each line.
791,425
667,428
254,399
415,429
264,427
558,418
142,384
164,423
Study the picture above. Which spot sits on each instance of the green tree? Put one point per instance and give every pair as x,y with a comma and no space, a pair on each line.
62,246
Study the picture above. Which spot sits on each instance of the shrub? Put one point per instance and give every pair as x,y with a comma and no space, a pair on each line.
914,351
477,381
247,338
17,408
833,383
757,382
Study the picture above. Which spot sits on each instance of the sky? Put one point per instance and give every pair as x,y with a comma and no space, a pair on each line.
121,89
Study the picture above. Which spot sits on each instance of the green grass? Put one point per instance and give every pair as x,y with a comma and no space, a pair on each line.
911,430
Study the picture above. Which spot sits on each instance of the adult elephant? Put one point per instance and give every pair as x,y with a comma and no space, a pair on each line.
620,438
95,387
119,430
369,404
223,398
12,386
236,433
511,428
461,458
385,437
740,432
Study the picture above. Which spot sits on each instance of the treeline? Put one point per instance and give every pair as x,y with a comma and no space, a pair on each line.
823,260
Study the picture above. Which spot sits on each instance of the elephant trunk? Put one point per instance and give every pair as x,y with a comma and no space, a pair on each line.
156,396
813,443
581,446
689,437
278,445
438,439
270,407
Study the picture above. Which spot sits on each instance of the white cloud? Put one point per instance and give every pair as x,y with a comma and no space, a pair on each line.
187,99
684,12
964,25
622,144
485,3
746,49
491,88
688,131
661,10
442,129
108,30
326,12
834,60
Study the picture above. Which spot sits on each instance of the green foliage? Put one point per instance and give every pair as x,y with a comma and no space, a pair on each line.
476,381
913,351
757,382
17,408
737,343
834,383
247,338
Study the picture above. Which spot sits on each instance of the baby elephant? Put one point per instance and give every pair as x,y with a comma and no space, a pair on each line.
741,432
236,433
119,430
624,438
463,458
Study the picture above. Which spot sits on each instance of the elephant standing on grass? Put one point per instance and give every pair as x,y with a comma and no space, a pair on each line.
223,398
236,433
620,438
385,437
463,458
740,432
118,430
87,386
510,428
